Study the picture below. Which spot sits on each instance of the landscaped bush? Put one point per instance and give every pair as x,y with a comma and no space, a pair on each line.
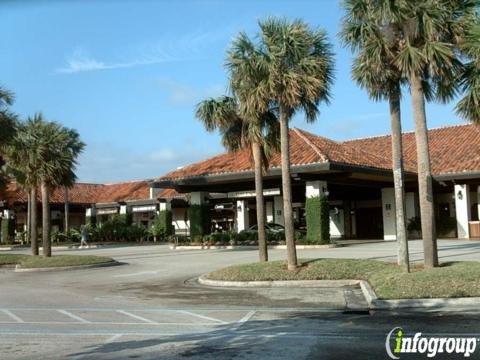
162,226
445,225
199,216
118,229
318,220
72,235
7,230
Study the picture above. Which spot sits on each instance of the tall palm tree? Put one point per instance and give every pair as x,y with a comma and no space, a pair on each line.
372,69
426,36
258,135
61,147
291,69
22,155
8,124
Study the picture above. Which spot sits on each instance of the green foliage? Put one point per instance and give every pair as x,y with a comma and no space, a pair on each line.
199,216
7,230
318,220
72,235
444,225
117,229
162,226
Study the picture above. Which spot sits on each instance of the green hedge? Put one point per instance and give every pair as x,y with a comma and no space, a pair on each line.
199,216
8,230
162,226
318,220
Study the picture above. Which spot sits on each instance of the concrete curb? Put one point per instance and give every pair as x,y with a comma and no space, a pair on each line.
285,283
66,268
374,303
446,304
249,247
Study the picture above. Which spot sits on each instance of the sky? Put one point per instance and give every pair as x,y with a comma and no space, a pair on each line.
127,75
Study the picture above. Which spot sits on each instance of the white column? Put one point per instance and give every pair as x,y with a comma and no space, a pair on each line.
197,197
315,188
478,201
123,209
242,215
410,206
388,213
462,209
165,205
269,211
278,210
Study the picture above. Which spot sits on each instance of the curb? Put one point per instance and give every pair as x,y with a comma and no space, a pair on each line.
374,303
447,304
249,247
279,283
66,268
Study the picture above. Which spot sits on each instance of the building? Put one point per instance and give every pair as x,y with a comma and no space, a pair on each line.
355,175
101,201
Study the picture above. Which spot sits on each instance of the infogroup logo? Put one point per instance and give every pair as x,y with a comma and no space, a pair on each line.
397,344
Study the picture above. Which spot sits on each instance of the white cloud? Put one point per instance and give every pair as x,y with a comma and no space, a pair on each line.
80,61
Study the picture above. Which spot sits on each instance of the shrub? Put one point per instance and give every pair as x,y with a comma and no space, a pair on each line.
7,230
199,216
318,220
162,226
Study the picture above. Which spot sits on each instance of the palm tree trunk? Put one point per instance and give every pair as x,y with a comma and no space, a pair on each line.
47,249
424,174
397,162
262,241
29,216
33,221
287,192
67,212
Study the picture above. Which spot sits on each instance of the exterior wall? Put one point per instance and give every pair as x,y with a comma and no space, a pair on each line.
242,219
337,223
462,209
278,210
180,220
388,214
269,212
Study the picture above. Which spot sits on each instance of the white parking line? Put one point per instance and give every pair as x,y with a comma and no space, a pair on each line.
12,315
243,320
202,316
136,316
113,338
73,316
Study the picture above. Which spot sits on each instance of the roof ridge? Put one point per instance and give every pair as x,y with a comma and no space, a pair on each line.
299,132
127,182
408,132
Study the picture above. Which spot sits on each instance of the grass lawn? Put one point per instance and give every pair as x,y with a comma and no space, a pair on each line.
455,279
28,261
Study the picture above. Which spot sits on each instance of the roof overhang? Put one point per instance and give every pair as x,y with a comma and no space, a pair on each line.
465,175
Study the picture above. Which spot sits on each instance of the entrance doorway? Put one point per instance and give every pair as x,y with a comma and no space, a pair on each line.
369,223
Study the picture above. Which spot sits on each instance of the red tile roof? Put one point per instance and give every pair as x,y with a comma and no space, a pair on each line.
82,193
453,149
305,148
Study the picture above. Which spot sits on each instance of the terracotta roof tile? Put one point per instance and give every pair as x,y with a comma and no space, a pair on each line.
453,149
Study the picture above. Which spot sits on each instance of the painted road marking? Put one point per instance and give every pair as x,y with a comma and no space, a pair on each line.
202,316
243,320
136,316
73,316
113,338
137,274
12,315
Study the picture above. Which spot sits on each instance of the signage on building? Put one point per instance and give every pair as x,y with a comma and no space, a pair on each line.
249,194
107,211
145,208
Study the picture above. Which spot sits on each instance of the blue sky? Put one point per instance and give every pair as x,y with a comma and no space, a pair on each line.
127,76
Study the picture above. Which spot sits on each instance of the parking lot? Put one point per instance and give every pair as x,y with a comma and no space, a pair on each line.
152,307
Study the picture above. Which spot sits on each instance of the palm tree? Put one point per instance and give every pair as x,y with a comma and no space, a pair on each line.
22,155
8,124
372,69
61,147
259,136
427,37
290,69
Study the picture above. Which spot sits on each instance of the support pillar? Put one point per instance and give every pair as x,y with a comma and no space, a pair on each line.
388,214
242,215
269,211
278,210
462,209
